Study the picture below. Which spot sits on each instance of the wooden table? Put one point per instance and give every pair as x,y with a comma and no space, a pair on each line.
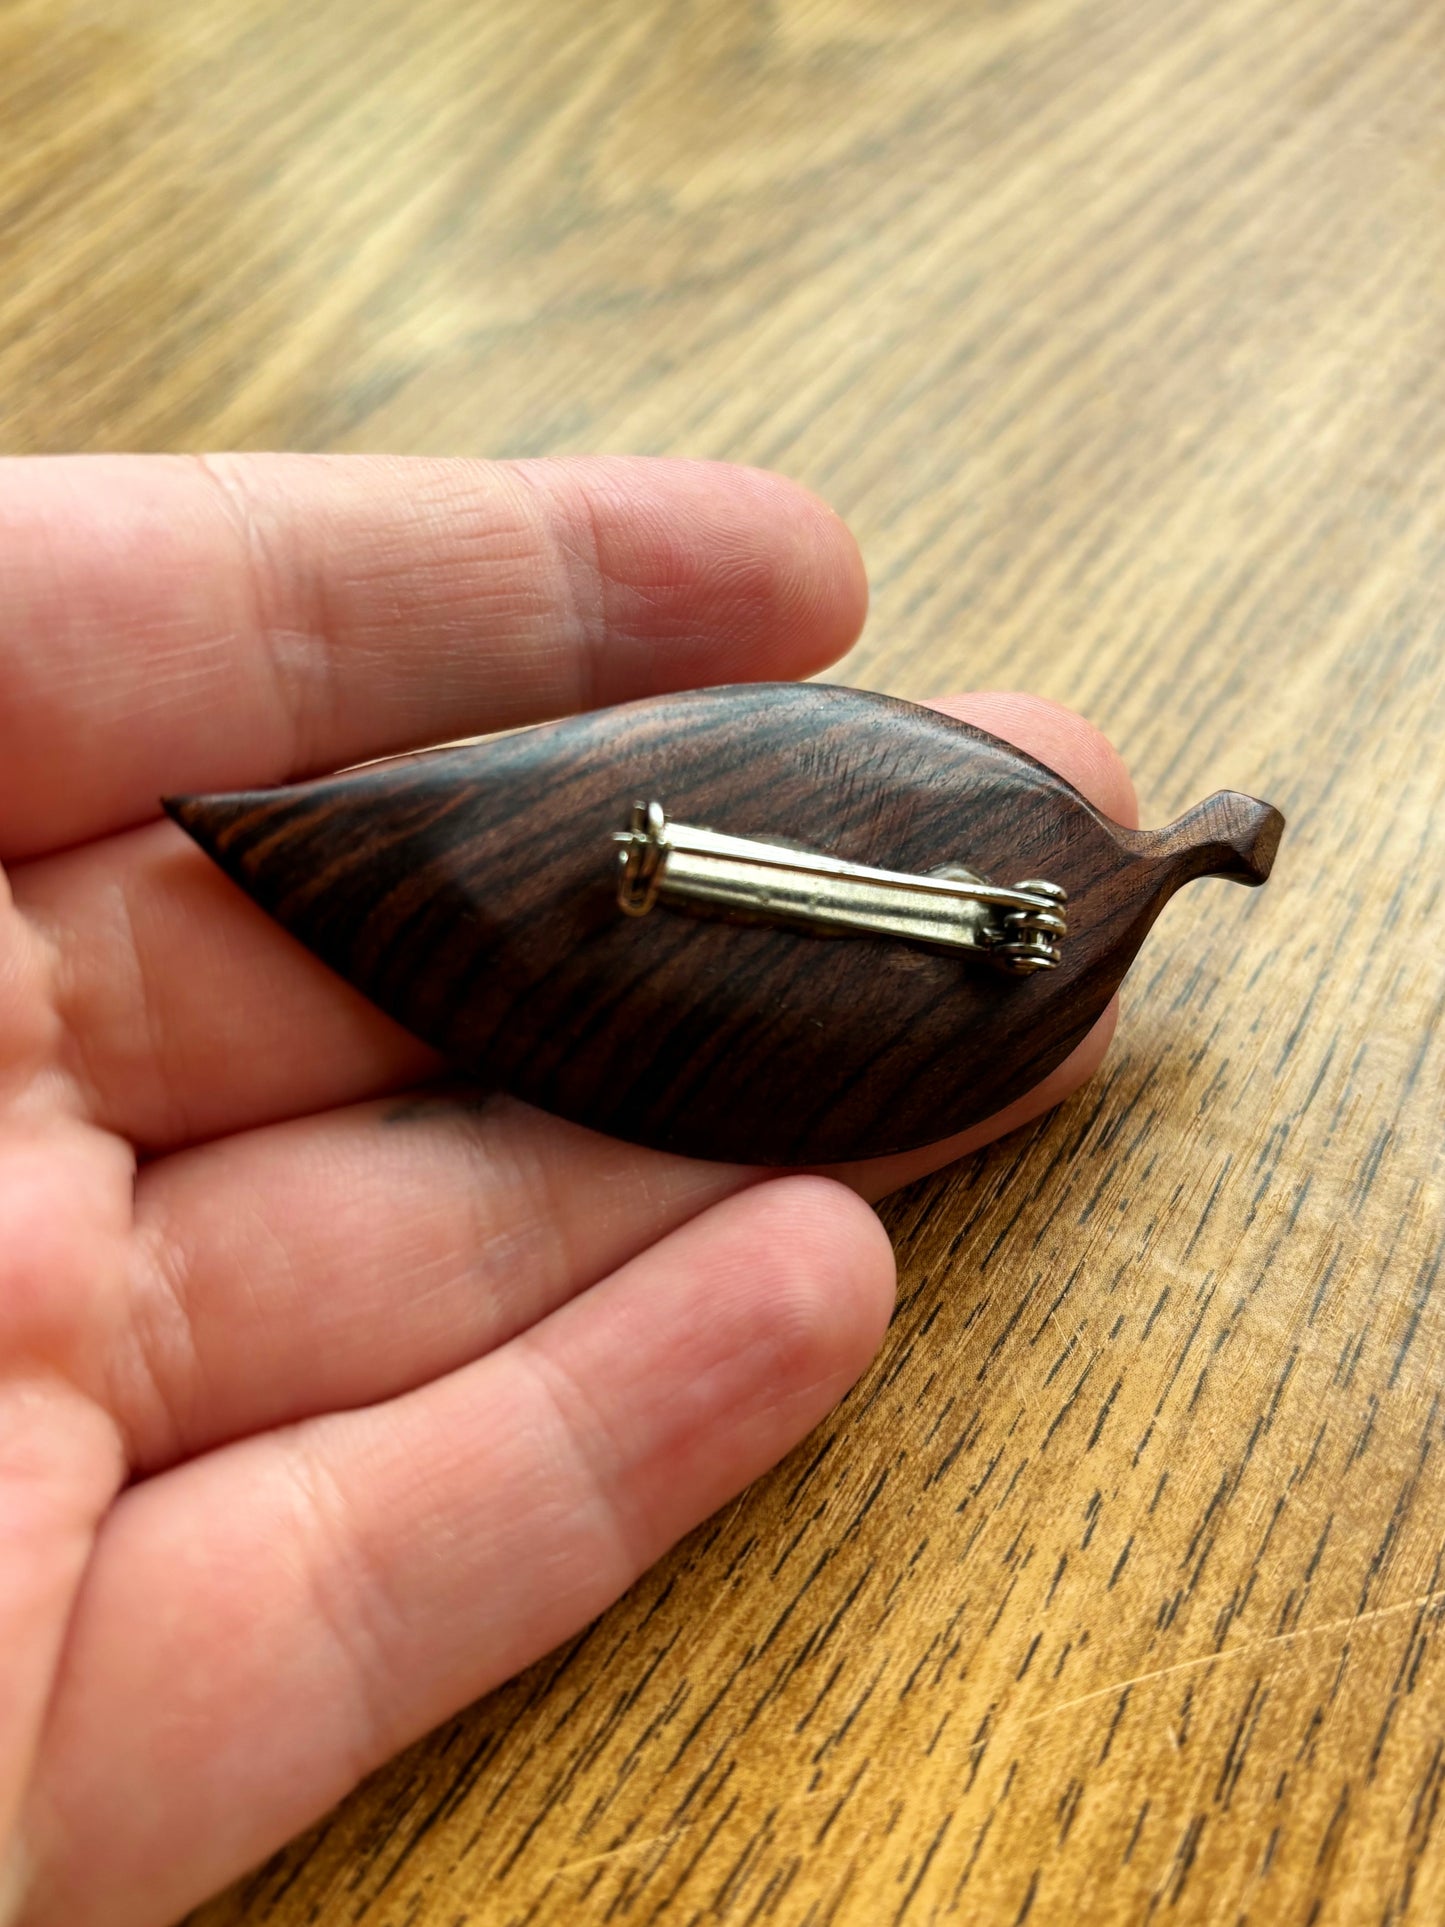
1115,329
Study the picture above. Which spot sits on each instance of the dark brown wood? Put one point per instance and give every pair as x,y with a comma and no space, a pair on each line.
471,894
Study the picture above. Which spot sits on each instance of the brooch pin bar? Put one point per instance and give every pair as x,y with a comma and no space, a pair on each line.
1017,929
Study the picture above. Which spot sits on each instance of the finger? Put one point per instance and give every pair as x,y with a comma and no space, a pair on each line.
177,624
331,1263
190,1014
267,1624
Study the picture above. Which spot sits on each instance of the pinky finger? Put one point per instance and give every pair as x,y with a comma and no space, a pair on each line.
268,1624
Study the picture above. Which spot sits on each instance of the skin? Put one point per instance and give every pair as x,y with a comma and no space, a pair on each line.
329,1395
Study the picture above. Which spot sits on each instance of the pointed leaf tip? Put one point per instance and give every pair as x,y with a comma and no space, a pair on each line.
204,818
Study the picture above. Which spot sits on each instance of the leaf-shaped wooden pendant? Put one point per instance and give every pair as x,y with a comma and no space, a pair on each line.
772,923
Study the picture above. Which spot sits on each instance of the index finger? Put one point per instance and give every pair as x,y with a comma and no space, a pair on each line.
169,622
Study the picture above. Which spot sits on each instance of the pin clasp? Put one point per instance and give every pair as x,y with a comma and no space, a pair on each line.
1019,929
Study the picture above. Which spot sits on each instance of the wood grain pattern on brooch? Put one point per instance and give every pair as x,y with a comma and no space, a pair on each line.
475,895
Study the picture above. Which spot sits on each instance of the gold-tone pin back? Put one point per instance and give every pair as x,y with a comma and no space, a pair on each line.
1018,930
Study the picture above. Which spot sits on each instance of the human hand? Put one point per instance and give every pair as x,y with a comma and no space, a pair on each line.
331,1396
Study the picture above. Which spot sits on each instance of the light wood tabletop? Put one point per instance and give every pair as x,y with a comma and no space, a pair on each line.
1116,329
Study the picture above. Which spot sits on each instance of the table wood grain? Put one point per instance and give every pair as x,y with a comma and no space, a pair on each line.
1117,330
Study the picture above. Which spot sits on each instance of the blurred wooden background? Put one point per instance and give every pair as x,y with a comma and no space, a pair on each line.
1117,329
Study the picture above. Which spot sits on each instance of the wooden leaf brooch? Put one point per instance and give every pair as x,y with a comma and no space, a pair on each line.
773,923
